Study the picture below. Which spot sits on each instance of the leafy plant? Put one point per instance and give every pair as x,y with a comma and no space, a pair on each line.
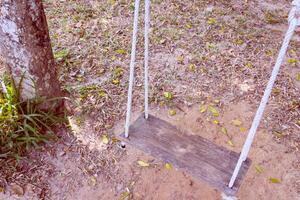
23,124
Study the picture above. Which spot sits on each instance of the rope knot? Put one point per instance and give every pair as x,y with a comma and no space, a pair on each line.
295,12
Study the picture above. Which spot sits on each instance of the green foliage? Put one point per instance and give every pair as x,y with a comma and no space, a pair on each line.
22,123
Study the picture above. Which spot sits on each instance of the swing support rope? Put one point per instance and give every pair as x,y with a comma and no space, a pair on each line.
293,20
132,61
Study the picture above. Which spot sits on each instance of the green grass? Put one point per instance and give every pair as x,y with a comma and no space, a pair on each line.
23,124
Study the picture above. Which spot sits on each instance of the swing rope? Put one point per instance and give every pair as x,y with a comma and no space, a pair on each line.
147,27
294,21
132,61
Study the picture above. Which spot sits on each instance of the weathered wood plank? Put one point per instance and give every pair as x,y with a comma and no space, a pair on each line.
192,153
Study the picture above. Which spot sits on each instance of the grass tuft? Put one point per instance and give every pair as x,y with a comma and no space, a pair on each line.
22,123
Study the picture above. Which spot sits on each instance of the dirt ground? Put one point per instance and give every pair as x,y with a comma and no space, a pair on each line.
205,54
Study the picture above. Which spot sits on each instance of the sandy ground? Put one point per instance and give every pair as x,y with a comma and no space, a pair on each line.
215,53
72,180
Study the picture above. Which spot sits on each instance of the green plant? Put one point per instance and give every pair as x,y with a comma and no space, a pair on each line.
23,124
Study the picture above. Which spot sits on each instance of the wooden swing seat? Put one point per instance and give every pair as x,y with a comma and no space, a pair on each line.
193,154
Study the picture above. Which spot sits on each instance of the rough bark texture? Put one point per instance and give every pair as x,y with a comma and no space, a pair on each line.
25,48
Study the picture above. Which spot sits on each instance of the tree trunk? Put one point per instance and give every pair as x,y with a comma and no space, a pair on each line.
26,50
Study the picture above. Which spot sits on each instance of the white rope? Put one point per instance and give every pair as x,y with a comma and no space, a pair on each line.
293,22
132,63
146,37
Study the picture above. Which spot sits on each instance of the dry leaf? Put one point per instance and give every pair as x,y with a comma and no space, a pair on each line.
278,134
115,140
292,60
216,122
236,122
243,129
213,111
192,67
188,25
124,195
116,81
1,189
143,163
168,166
168,95
297,77
180,59
216,101
224,130
172,112
93,181
274,180
211,21
203,108
230,143
104,139
259,169
121,51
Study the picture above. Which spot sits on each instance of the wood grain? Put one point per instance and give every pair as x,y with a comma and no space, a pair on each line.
192,153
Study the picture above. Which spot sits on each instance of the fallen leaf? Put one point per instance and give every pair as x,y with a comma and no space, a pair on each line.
162,41
121,51
297,77
168,95
202,108
192,67
239,42
188,25
274,180
61,54
115,140
104,139
216,101
180,59
116,81
172,112
243,129
224,130
118,71
18,190
276,91
230,143
124,195
168,166
259,169
112,2
93,181
278,134
1,189
236,122
143,163
211,21
213,111
102,94
113,58
292,51
292,60
216,121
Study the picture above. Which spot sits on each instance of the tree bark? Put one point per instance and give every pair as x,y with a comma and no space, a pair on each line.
26,50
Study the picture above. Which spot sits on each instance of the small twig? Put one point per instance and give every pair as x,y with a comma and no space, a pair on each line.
296,125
